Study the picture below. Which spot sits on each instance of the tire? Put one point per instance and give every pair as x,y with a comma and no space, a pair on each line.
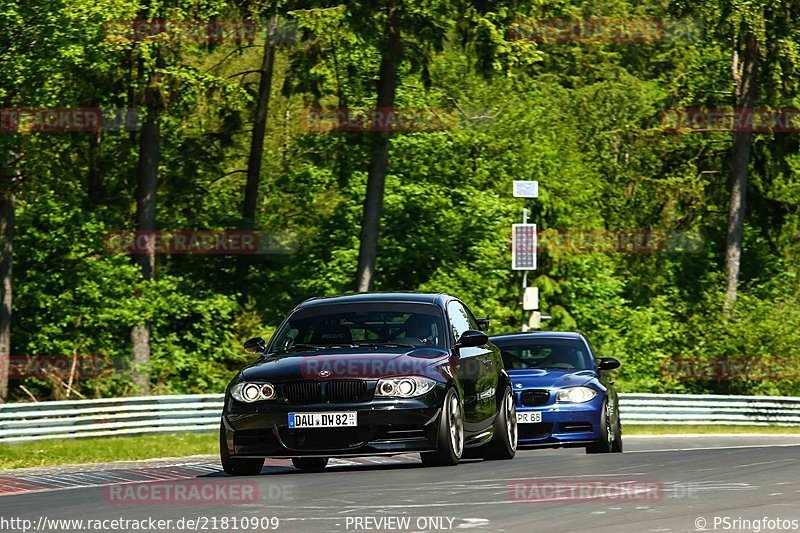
503,445
450,442
237,466
616,446
310,464
610,436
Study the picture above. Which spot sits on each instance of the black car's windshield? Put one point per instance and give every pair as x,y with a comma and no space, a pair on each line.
555,354
374,324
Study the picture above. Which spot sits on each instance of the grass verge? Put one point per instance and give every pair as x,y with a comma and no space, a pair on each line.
99,450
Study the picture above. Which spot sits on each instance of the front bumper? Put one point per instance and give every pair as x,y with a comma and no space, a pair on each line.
563,424
385,426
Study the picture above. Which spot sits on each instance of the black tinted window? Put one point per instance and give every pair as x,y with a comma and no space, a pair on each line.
460,320
557,354
344,324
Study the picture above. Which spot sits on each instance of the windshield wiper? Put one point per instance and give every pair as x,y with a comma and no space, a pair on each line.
304,346
382,344
300,346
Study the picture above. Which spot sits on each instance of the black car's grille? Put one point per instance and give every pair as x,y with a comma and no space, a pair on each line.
345,390
313,439
334,391
532,398
303,392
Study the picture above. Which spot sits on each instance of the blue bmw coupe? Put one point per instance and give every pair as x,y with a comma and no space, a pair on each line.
564,394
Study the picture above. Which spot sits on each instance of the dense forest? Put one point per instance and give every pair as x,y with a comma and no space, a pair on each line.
225,115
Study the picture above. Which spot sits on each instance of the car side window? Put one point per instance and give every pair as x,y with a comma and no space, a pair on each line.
459,319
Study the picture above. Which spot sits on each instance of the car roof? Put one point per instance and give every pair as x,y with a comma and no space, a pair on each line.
537,335
369,297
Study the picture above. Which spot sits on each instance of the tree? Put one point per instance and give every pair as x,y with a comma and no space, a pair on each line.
260,123
744,68
391,54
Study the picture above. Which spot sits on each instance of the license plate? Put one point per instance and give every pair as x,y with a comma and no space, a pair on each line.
530,417
322,420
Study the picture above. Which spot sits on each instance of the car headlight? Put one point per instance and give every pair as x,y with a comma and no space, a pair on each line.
248,392
575,394
404,387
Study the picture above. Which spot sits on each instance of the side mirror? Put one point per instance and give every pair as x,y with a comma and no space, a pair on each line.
607,363
472,337
483,323
255,345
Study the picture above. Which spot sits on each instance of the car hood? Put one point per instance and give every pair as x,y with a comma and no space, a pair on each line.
550,379
345,363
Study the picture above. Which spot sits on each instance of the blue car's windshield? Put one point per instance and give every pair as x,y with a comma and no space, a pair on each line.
555,354
362,324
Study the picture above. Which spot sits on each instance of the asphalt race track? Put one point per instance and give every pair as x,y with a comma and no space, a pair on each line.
670,484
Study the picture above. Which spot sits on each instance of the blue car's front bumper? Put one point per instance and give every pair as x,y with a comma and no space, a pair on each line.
563,424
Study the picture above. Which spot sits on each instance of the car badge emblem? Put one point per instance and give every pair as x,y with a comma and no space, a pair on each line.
324,373
519,385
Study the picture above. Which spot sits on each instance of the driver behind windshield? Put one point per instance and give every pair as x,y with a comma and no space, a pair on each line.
560,359
420,329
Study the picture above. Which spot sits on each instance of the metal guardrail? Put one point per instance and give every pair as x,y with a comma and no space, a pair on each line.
709,409
112,416
201,412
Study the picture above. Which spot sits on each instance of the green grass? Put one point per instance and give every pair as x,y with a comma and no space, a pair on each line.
682,430
98,450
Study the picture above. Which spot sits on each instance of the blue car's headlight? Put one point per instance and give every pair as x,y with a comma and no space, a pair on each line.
252,392
575,394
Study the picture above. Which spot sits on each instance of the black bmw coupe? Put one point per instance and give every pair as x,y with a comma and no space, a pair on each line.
370,374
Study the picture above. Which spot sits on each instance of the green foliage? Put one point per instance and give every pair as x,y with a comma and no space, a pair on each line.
584,119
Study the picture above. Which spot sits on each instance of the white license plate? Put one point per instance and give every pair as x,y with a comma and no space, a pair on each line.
322,420
529,417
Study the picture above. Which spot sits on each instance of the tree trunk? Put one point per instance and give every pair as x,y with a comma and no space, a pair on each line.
6,277
260,125
146,221
94,184
744,78
376,177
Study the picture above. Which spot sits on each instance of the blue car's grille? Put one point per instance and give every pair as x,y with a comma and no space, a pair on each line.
532,398
534,431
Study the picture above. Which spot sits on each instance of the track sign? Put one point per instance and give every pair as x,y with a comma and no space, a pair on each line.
526,189
530,299
523,247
